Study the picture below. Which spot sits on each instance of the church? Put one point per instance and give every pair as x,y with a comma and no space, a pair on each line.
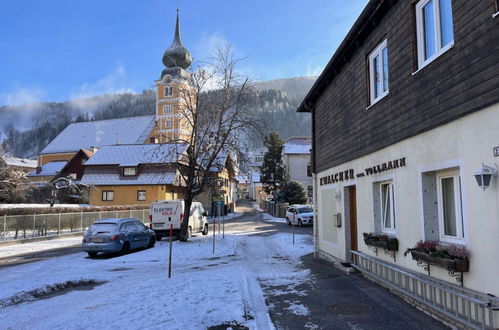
133,160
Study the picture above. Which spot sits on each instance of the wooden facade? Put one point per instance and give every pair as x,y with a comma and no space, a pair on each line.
461,81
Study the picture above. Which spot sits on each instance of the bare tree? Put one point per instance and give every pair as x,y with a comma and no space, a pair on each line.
216,104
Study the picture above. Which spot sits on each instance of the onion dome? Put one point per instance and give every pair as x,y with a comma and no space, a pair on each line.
177,55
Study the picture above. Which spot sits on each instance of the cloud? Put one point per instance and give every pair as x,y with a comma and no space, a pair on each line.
208,45
113,83
23,96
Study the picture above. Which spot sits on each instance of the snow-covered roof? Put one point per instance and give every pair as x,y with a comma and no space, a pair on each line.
104,179
50,169
85,135
242,178
297,145
20,162
135,154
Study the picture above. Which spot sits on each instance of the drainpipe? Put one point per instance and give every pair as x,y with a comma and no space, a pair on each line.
316,218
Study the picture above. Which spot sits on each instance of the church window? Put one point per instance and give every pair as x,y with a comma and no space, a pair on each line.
168,90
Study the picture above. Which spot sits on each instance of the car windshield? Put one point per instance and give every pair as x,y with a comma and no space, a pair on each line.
103,227
305,210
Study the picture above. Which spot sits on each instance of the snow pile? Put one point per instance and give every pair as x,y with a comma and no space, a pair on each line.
206,288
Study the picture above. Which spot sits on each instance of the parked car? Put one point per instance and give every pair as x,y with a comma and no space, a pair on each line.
117,235
171,212
300,215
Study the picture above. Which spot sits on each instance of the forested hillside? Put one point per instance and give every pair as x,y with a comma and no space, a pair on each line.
26,130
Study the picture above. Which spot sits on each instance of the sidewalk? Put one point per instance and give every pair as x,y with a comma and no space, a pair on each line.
39,246
333,299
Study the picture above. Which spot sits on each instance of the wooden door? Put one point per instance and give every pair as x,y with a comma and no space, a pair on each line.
353,218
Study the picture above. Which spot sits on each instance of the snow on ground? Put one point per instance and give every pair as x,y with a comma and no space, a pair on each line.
266,216
16,249
225,217
205,289
11,206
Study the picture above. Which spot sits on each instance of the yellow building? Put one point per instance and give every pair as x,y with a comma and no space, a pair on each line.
134,174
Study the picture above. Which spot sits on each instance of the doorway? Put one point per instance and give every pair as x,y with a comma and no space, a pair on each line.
351,239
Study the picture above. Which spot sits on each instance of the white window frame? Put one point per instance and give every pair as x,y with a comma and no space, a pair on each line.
378,51
127,170
141,197
438,37
167,108
389,230
459,238
168,90
107,195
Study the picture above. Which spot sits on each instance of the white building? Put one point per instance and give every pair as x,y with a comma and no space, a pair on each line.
296,161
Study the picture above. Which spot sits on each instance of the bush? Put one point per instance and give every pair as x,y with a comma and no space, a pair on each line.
293,193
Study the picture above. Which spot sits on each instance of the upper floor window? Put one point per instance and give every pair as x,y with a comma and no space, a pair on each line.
129,171
168,90
167,108
434,29
378,72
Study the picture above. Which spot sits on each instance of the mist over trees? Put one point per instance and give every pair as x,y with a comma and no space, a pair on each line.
26,130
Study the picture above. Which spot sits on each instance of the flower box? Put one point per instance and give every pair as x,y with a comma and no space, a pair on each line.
457,265
392,244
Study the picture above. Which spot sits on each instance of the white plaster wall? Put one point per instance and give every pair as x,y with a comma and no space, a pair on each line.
466,143
296,167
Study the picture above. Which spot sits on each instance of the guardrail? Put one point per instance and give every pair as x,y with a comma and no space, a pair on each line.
36,225
463,306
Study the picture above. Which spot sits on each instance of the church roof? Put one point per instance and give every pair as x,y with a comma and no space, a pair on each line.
85,135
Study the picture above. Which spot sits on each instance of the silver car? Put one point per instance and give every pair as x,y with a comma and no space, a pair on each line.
117,235
300,215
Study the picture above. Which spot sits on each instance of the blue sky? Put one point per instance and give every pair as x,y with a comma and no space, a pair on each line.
55,50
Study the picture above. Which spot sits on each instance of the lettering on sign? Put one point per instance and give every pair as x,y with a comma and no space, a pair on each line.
496,151
383,167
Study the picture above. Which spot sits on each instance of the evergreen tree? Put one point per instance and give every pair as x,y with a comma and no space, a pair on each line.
272,170
293,193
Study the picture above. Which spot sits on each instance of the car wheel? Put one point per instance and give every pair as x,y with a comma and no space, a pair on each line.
300,223
189,232
289,222
158,237
152,242
92,254
205,230
125,248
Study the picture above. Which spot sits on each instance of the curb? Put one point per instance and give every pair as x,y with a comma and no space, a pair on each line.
38,239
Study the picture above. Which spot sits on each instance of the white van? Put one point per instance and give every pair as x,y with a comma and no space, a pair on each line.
171,212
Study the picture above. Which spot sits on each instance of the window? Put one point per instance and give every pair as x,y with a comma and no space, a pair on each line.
387,212
450,216
167,108
172,194
129,171
107,195
141,195
168,123
168,90
378,72
434,29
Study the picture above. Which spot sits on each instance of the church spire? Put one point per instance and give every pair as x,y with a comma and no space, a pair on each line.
177,55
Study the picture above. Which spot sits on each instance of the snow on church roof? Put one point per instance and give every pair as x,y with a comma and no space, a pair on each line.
85,135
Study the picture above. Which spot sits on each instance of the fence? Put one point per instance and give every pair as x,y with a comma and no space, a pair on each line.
36,225
460,305
273,208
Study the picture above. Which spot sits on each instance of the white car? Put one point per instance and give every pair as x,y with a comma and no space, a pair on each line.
300,215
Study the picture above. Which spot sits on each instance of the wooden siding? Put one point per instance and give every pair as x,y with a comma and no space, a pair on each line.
462,80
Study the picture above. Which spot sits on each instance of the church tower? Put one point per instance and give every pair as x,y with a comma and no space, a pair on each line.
172,92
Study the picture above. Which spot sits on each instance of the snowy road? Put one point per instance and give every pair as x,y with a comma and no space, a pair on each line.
134,291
